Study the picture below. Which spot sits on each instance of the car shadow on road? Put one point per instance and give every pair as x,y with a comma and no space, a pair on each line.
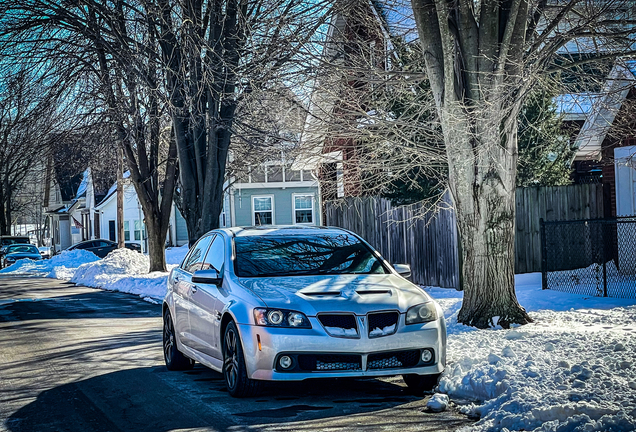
154,399
90,304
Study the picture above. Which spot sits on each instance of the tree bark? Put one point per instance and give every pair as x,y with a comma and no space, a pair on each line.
121,240
474,70
482,175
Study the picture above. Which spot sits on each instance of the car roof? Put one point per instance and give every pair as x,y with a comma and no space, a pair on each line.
281,230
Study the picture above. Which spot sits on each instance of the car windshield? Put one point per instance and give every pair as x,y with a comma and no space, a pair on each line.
271,255
22,249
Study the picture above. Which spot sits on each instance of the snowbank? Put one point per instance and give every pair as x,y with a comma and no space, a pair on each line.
574,369
61,266
175,255
122,270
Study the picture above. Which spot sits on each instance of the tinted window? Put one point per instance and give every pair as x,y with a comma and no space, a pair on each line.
259,256
193,262
216,255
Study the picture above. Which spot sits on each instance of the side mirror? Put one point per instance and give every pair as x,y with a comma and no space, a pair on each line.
211,277
403,270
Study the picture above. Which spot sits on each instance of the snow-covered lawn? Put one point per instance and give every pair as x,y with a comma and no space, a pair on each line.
573,370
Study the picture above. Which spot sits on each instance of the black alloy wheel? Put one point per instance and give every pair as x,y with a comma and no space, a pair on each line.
175,360
234,370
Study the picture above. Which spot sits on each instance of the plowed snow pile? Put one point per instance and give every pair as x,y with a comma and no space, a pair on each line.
60,266
123,270
574,369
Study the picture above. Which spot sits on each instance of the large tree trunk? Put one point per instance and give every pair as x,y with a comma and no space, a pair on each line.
482,172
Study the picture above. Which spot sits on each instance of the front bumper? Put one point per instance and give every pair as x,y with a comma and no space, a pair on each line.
305,343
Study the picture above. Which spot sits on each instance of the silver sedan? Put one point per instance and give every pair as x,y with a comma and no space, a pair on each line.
292,303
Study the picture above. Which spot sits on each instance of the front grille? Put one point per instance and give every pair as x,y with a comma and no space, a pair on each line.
340,325
329,362
342,321
383,323
393,360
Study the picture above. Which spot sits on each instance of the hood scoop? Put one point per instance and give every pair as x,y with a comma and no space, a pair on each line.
345,293
373,292
321,294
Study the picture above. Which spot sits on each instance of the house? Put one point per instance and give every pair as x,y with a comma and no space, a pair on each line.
605,135
64,208
273,193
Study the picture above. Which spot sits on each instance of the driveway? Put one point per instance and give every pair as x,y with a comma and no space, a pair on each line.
79,359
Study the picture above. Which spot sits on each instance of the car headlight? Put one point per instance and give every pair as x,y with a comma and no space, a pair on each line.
280,318
421,313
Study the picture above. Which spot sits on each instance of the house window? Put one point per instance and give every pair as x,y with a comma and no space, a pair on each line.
263,210
126,231
303,209
137,230
291,175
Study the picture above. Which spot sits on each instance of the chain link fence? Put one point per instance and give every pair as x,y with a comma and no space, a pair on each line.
595,257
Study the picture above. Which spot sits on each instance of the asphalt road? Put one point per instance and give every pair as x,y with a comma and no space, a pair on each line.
78,359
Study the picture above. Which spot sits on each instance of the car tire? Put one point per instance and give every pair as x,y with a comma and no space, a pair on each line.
175,360
418,384
234,370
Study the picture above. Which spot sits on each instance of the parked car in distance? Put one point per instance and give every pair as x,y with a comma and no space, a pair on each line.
102,247
6,240
17,251
292,303
45,251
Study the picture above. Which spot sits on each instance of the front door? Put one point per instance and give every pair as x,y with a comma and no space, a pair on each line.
182,290
205,314
111,230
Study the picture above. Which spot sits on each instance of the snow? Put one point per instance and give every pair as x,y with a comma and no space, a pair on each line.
382,331
438,402
338,331
122,270
175,255
61,266
573,369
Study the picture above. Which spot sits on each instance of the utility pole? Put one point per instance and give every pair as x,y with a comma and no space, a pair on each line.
120,198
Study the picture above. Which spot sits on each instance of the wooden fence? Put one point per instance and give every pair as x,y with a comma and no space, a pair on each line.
404,235
429,243
556,203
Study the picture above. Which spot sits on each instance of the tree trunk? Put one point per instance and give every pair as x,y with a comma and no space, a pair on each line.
3,220
121,243
156,243
482,173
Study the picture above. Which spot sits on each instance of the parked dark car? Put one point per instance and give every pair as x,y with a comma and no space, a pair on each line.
6,240
102,247
14,252
9,240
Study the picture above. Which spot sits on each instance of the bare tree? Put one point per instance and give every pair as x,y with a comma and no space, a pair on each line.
481,60
27,119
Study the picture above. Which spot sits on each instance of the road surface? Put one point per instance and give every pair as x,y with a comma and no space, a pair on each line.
79,359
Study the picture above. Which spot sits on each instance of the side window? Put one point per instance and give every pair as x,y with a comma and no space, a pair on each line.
216,255
193,262
87,245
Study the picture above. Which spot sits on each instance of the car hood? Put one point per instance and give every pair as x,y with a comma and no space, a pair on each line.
21,255
337,293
